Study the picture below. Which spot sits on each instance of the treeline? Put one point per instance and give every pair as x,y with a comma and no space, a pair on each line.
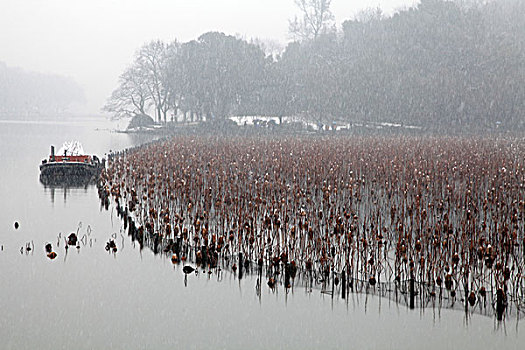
29,93
441,64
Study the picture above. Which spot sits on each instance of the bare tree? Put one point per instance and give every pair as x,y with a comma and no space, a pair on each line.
151,61
316,19
131,97
143,85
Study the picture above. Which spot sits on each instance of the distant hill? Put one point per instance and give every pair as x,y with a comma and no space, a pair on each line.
26,93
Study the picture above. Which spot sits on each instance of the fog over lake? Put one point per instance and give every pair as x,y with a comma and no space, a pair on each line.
93,41
255,174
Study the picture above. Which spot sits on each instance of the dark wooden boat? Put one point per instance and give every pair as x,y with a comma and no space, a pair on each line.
70,167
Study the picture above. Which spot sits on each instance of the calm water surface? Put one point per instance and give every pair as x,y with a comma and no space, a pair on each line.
89,299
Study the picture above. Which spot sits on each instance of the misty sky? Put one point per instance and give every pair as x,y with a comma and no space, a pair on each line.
92,41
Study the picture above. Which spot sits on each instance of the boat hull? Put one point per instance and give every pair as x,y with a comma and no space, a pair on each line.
54,173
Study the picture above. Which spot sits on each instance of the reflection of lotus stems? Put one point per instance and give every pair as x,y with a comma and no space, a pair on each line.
378,209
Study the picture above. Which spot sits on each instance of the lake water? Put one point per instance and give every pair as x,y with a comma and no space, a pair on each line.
89,298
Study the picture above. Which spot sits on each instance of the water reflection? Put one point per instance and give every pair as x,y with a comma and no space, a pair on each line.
211,258
409,294
78,241
64,187
118,291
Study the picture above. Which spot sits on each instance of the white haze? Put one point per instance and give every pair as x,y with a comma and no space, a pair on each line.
92,41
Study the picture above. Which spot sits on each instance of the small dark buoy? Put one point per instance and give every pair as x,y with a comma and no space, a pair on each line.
16,225
49,248
187,269
52,255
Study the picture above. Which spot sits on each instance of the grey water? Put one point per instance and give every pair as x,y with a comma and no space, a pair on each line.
88,298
